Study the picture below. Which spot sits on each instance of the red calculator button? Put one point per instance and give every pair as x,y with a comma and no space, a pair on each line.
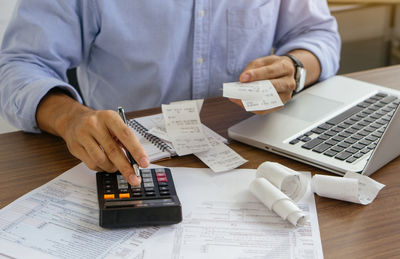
109,196
124,195
162,179
160,174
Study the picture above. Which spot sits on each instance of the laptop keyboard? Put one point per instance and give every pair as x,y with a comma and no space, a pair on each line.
354,133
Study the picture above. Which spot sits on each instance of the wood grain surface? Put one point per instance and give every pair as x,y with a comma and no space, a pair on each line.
347,230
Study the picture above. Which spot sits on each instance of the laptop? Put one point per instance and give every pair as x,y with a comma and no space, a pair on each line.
340,125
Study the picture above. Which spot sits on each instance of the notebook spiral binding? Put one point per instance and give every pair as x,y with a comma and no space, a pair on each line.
142,130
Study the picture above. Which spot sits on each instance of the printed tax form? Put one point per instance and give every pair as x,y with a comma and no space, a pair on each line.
231,223
61,220
221,219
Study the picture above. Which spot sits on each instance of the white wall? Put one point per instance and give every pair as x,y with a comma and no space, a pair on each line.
365,32
6,9
396,38
397,22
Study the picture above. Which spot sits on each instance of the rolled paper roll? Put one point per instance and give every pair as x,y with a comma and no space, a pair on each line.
277,201
290,182
352,187
335,187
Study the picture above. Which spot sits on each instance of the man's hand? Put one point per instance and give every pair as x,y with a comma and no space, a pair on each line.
280,71
94,137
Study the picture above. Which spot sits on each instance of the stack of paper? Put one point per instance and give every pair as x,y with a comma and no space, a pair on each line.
222,219
181,127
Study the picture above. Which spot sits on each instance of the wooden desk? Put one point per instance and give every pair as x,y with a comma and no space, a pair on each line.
347,230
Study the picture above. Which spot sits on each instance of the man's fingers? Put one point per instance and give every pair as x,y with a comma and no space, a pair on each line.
118,158
96,153
285,97
79,152
91,140
272,71
284,84
261,62
113,127
126,137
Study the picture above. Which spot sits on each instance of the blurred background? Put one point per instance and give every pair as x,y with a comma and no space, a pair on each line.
370,31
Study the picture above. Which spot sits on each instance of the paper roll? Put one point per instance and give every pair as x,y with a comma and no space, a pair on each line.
277,201
334,187
290,182
352,187
279,187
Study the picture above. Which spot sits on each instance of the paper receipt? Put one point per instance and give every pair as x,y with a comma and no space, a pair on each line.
183,126
255,96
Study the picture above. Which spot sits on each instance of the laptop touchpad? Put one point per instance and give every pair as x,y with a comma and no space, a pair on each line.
310,107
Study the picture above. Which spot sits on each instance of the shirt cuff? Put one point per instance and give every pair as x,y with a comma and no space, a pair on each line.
329,63
32,99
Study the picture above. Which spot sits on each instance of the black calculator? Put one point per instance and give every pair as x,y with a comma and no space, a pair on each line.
154,202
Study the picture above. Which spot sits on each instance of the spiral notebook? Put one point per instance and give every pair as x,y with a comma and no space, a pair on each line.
156,148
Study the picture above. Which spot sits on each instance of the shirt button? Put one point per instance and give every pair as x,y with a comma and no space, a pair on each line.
200,61
202,13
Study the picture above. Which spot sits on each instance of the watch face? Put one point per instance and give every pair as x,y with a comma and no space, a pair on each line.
301,79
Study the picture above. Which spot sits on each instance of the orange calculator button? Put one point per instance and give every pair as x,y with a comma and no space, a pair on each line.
124,195
109,196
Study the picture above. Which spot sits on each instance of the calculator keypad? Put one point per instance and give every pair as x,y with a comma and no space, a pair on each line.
154,202
154,183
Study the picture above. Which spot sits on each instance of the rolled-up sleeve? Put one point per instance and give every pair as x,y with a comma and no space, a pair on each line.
309,25
44,39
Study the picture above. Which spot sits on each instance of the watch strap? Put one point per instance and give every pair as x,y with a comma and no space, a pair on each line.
295,60
299,73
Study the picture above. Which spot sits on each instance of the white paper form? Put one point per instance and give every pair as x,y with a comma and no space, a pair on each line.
232,223
353,187
255,96
61,219
183,126
63,223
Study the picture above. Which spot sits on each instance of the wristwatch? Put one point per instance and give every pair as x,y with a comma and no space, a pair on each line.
300,73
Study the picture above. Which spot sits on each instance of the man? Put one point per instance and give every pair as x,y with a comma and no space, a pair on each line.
140,54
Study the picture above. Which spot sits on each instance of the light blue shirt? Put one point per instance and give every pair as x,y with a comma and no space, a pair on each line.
140,54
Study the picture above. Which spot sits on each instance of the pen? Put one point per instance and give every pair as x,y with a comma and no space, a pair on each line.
130,158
